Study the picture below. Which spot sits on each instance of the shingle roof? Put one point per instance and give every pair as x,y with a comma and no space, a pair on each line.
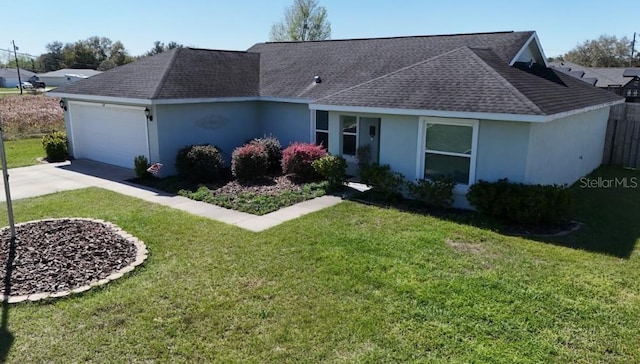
13,73
472,80
180,73
467,72
288,68
605,75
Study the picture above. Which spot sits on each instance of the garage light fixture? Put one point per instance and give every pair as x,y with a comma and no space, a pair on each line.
63,106
147,113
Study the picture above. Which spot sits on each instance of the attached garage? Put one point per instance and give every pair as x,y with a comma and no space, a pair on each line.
108,133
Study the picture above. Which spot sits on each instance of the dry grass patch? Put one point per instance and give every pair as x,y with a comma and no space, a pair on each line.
466,247
30,116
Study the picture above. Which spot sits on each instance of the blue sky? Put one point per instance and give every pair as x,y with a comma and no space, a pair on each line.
238,24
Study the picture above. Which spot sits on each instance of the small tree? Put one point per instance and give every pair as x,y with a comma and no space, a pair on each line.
304,20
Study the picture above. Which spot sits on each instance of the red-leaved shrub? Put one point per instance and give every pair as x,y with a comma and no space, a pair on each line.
249,161
297,159
274,151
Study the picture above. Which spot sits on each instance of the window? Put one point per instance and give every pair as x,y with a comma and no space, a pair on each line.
449,149
349,135
322,128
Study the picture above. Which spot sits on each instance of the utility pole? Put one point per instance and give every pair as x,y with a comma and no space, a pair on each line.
17,65
5,175
633,48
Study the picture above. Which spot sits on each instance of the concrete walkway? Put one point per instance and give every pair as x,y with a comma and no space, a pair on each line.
44,179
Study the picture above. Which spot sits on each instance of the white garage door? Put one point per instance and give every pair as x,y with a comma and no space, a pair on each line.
110,134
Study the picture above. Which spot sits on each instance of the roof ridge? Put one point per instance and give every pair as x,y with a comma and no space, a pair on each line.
165,73
530,104
392,73
400,37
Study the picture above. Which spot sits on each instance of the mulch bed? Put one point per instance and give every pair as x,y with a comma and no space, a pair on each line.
265,186
59,255
269,185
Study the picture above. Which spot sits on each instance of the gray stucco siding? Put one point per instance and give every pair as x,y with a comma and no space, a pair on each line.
398,141
226,125
289,122
502,150
564,150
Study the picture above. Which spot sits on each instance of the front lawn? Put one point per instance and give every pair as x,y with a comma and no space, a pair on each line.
23,152
352,283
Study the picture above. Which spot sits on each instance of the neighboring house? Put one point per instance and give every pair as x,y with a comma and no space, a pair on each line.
65,76
473,106
619,80
9,77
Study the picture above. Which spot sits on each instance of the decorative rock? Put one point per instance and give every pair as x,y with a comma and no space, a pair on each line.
17,299
60,294
72,255
38,296
81,289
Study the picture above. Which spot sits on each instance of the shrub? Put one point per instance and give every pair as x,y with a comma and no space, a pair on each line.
435,192
363,154
55,146
297,160
141,164
331,168
274,152
386,183
250,161
520,203
201,163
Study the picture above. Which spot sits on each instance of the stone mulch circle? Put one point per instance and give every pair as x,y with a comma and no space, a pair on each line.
55,258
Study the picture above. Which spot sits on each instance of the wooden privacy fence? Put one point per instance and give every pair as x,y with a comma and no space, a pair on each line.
622,143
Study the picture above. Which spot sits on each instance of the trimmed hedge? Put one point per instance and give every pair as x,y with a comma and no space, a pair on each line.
200,163
250,161
331,168
55,146
386,183
297,160
519,203
435,192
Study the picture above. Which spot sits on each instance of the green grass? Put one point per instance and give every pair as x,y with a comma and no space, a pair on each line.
23,152
352,283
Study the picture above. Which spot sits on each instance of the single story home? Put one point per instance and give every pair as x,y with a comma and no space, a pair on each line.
478,106
65,76
9,77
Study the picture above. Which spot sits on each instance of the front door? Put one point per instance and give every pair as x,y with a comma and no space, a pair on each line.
369,137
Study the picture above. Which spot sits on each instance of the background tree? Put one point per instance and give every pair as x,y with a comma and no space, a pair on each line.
24,62
606,51
304,20
159,47
53,60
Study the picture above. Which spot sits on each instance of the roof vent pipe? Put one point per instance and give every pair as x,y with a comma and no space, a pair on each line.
317,79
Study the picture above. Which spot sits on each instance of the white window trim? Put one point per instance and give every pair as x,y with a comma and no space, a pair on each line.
349,157
421,147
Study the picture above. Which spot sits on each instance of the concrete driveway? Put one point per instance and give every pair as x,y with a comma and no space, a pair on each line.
45,179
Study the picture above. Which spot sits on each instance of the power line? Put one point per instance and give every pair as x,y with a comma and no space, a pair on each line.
20,53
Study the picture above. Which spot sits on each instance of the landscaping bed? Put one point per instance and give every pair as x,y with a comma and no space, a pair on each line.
563,227
257,197
50,256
